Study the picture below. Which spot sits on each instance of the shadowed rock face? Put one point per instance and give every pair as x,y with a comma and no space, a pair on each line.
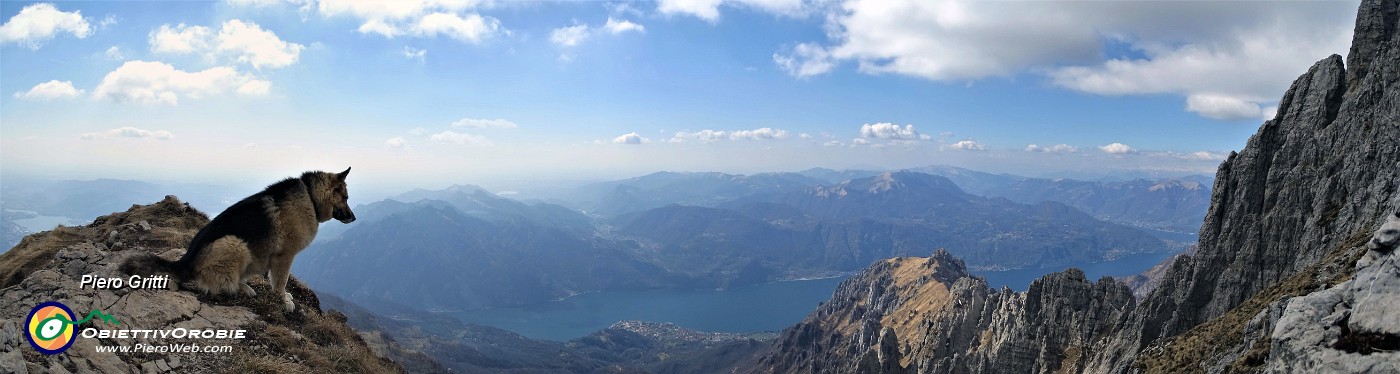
1290,213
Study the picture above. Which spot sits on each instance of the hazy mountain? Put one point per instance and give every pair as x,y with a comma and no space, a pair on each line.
472,201
1177,204
696,189
433,256
848,226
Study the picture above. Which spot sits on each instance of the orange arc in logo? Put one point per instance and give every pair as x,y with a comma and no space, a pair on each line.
50,328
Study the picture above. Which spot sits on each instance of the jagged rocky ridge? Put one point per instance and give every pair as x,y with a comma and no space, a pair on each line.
1290,215
47,266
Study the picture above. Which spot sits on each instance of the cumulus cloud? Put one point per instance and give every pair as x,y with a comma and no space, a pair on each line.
450,136
128,132
707,136
617,26
1196,156
1226,107
418,131
569,36
241,41
1246,51
415,53
886,130
1117,149
419,18
1058,148
38,23
967,145
484,123
708,10
50,90
114,53
252,45
179,39
159,83
396,142
631,138
805,60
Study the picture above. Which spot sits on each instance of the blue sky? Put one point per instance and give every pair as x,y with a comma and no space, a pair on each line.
430,93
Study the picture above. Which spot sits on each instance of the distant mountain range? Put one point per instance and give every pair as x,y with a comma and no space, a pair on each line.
711,230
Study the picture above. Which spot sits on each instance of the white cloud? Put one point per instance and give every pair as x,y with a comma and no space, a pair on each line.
805,60
460,138
708,10
418,131
707,136
51,90
1224,107
569,36
108,21
38,23
114,53
1195,156
617,26
833,143
128,132
804,136
420,18
1058,148
484,123
244,42
254,46
396,142
631,138
267,3
1248,51
885,130
1117,149
967,145
859,141
704,9
415,53
159,83
179,39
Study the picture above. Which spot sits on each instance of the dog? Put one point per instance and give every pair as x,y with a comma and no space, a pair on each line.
258,235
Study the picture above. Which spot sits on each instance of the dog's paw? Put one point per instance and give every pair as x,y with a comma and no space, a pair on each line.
287,304
247,291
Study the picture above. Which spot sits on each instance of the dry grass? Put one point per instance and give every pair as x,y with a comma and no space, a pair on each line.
1204,343
922,295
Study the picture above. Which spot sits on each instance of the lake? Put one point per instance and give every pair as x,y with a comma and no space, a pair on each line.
1020,279
764,307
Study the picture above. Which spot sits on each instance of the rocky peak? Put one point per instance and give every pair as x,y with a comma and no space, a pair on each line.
49,266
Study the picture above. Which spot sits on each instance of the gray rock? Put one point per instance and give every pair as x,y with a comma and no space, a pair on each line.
13,362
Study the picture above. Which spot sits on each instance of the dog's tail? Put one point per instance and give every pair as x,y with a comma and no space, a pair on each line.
147,263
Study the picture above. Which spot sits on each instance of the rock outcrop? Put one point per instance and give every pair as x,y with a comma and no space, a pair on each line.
49,266
1290,215
1350,327
927,315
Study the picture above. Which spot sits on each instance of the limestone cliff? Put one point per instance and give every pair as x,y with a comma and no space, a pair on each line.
1290,215
49,266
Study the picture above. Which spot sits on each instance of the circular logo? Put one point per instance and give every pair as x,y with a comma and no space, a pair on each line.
49,327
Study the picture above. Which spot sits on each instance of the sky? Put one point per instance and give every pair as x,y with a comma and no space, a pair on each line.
438,92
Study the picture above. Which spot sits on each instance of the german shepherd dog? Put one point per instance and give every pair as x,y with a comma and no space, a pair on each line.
258,235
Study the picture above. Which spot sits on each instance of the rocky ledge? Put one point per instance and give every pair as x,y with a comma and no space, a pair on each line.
49,266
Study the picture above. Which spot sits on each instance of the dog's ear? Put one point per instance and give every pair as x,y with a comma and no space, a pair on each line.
344,174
